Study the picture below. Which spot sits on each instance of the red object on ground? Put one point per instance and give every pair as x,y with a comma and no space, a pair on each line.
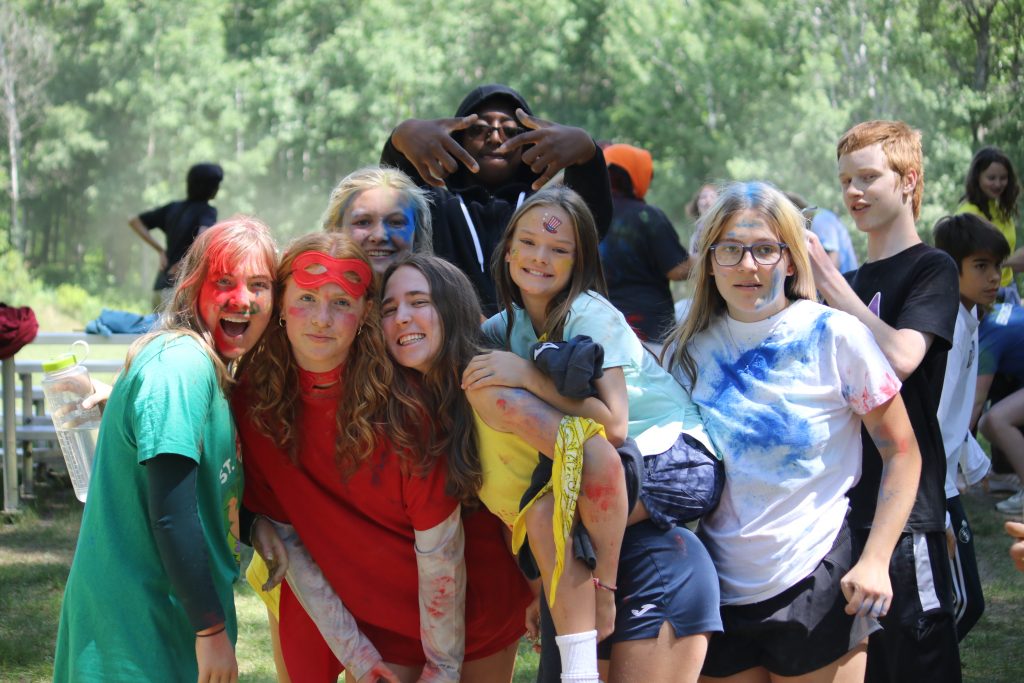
18,327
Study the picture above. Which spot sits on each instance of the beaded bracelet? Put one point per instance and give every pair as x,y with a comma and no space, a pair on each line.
598,584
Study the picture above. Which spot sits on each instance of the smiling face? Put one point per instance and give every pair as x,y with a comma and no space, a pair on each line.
379,223
321,324
993,180
495,169
542,253
751,291
979,279
411,323
235,304
873,192
706,198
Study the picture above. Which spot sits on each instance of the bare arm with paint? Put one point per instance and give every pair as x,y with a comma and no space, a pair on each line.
609,408
441,566
336,624
904,348
866,586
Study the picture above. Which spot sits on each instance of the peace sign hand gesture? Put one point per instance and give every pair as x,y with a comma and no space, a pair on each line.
429,146
554,146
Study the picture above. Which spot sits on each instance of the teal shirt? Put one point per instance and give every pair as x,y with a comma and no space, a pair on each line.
120,619
655,398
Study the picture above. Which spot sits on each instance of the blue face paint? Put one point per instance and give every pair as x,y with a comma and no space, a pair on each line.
402,235
776,288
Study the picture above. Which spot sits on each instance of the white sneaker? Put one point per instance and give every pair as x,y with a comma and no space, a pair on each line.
1014,505
1003,483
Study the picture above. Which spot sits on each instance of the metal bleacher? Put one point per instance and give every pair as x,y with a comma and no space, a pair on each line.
28,432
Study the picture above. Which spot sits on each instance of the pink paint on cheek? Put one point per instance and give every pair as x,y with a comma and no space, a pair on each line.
349,320
297,312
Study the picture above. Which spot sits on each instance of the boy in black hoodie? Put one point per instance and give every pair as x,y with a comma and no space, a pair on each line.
479,167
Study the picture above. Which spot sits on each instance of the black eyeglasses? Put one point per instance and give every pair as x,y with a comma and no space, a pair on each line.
482,130
731,253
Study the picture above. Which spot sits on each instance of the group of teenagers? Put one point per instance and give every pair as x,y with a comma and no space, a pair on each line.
451,438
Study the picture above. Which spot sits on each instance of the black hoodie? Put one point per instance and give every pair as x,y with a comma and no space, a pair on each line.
490,211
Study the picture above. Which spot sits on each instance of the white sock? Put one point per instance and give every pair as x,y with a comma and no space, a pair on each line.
579,656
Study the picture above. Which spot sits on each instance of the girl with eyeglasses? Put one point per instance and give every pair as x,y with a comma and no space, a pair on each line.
784,385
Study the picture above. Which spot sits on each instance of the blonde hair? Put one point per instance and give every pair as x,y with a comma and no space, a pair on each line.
901,145
271,369
788,224
223,246
374,177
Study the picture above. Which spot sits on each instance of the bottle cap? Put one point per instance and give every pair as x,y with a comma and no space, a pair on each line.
65,360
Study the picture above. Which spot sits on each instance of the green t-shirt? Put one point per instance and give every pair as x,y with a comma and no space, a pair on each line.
120,620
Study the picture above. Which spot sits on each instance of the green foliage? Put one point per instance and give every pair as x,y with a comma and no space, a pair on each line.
289,96
17,286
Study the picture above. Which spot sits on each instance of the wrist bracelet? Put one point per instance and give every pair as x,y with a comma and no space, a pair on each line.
222,628
604,586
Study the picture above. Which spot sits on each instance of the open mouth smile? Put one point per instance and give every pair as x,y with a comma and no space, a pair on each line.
407,339
234,326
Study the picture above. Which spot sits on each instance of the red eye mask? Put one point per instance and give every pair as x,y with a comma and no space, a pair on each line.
329,269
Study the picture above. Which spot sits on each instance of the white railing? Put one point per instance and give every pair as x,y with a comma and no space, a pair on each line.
30,428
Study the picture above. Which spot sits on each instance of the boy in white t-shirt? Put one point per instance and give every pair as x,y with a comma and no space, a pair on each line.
978,249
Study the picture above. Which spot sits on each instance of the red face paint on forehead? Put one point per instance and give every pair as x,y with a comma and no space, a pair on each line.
313,269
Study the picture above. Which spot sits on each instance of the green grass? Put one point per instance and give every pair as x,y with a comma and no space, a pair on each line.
36,549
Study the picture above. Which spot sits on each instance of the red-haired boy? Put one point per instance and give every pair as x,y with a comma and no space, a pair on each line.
907,293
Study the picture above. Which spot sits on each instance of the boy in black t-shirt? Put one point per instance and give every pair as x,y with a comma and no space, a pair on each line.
181,222
907,293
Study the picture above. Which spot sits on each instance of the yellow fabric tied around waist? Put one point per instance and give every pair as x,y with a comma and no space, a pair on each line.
566,479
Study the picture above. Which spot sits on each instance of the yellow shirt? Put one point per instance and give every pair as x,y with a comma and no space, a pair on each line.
1004,224
507,462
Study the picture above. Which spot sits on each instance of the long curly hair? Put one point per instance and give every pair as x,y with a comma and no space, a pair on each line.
368,373
587,274
708,304
435,398
223,246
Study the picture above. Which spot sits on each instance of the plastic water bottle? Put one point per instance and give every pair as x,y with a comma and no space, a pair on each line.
65,383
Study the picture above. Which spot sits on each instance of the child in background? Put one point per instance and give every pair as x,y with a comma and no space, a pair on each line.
785,385
978,249
991,190
1000,377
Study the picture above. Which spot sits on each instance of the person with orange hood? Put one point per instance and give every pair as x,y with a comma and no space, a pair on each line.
641,252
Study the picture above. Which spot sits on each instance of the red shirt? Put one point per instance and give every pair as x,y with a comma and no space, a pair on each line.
360,530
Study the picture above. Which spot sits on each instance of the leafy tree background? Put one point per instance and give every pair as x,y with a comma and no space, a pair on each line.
290,95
